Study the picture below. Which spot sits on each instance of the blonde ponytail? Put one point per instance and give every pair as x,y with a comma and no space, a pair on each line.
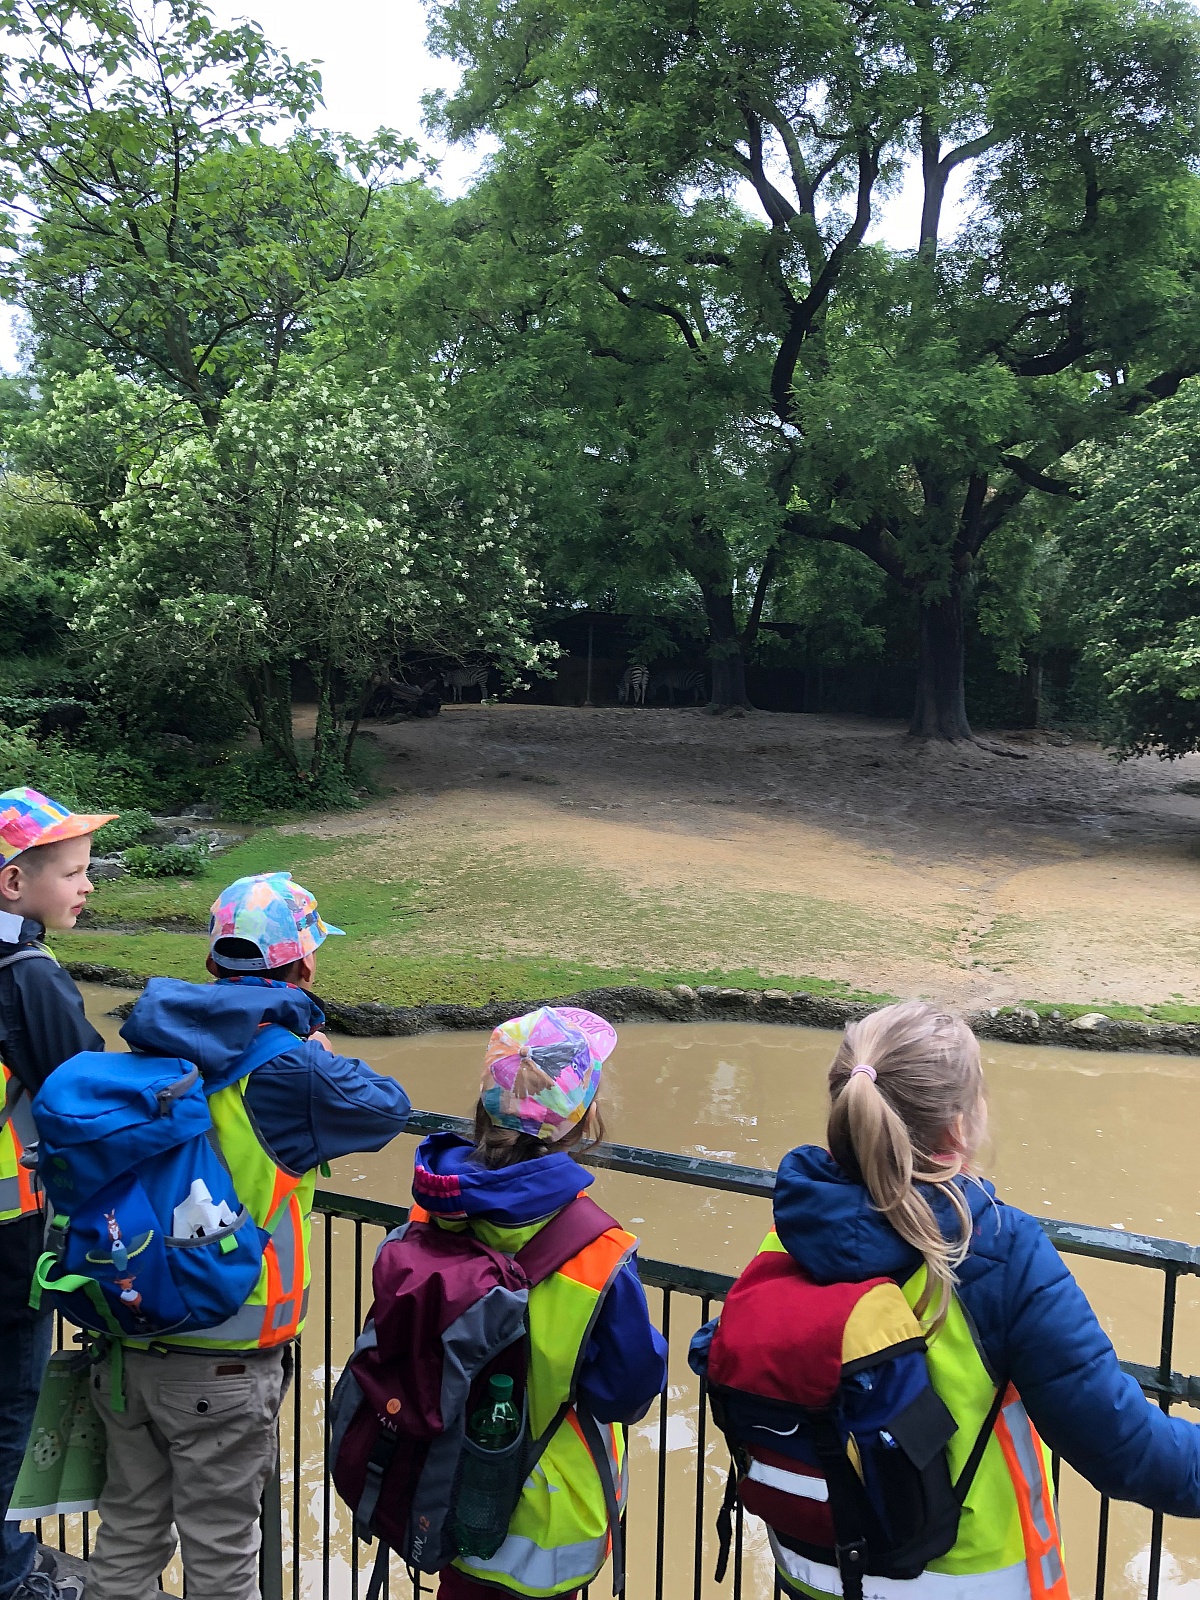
920,1087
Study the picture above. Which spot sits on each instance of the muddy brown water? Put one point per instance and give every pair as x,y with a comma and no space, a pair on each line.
1089,1137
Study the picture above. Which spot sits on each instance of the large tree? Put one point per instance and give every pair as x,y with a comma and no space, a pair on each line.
149,222
903,402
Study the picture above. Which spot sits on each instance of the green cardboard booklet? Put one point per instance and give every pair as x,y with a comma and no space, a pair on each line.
63,1469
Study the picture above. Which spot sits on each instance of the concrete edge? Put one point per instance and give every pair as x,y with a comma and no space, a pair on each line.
711,1004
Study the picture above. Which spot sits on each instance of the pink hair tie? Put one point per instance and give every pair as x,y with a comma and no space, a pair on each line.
863,1067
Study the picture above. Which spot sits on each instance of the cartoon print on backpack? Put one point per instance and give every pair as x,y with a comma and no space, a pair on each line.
118,1256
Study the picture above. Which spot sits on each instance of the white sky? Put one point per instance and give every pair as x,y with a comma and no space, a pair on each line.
375,68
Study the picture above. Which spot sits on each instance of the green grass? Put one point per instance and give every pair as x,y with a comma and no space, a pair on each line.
481,922
406,936
1169,1011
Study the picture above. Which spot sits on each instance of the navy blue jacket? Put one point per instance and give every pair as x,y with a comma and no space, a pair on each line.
308,1104
1032,1320
625,1364
42,1024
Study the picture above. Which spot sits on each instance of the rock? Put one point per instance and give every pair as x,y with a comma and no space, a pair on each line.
103,868
1091,1021
730,997
776,997
683,991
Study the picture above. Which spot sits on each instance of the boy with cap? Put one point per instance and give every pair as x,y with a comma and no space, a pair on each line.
44,854
195,1444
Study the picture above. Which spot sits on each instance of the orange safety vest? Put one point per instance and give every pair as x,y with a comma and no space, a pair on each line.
20,1192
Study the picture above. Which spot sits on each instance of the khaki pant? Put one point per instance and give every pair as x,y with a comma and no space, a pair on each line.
192,1452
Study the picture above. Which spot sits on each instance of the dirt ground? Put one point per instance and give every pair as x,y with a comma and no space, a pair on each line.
825,846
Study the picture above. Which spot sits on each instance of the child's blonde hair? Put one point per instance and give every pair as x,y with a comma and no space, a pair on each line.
891,1128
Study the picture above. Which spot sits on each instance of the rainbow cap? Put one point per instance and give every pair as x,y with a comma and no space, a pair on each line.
542,1070
272,913
29,819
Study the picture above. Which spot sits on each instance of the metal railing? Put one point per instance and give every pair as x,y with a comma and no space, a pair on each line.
308,1547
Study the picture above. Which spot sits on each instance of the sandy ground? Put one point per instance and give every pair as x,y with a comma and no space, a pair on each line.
826,846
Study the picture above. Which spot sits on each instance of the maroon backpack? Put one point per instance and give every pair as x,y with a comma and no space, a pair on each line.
449,1313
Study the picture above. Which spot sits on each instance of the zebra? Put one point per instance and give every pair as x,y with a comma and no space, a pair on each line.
633,685
681,681
459,678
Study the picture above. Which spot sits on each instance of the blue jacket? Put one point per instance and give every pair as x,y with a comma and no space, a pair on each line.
625,1364
1032,1320
309,1106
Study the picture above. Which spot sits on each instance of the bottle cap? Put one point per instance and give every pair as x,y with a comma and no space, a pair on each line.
501,1387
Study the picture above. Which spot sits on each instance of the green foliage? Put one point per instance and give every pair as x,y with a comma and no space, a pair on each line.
319,523
1135,566
130,827
247,785
166,860
148,218
734,385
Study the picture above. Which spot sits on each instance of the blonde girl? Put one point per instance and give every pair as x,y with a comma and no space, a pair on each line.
898,1194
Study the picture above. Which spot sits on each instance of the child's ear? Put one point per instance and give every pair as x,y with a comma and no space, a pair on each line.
10,882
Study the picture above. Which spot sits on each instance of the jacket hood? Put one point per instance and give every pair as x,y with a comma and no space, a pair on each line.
826,1221
449,1184
212,1024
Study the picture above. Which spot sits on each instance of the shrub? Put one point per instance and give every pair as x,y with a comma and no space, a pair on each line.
166,860
129,827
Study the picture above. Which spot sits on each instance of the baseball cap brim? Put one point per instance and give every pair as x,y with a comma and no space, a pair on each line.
75,826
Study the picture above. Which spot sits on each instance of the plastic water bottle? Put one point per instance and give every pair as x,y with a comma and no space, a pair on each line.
491,1474
495,1425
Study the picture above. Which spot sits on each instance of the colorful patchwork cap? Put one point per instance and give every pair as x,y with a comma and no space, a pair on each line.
272,913
28,819
542,1070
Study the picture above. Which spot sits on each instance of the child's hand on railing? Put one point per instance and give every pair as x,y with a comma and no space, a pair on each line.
319,1038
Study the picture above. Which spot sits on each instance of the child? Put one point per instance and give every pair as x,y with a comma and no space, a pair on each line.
44,856
196,1441
897,1188
537,1107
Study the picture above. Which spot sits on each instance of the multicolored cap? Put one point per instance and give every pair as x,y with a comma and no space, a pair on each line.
272,913
28,819
542,1070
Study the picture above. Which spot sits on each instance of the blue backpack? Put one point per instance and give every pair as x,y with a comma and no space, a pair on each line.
147,1235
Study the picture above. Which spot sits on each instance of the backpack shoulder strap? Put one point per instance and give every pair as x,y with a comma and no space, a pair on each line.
576,1226
31,952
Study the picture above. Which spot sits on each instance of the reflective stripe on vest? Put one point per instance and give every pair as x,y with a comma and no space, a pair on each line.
815,1579
558,1538
20,1193
280,1202
1027,1466
1008,1541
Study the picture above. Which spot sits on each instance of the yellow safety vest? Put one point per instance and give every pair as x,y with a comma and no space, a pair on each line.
559,1536
1008,1546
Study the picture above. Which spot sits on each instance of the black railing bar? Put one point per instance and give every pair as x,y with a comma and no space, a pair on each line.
1102,1548
1072,1238
1181,1389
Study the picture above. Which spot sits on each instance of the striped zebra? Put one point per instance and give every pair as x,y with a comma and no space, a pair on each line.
633,685
459,678
681,681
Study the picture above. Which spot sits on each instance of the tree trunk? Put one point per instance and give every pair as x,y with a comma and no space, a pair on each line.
726,654
941,707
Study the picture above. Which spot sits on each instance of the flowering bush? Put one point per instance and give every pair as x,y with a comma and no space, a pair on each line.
317,524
